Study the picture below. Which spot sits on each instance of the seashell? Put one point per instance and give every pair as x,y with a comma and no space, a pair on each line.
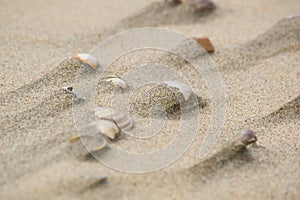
68,90
167,96
116,81
87,58
108,128
248,137
231,150
92,143
176,2
203,5
183,88
103,126
99,128
73,139
205,43
122,119
97,178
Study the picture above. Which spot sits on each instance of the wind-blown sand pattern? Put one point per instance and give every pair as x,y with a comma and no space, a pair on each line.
281,37
257,52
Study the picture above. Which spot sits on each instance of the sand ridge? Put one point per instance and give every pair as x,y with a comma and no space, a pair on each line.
36,121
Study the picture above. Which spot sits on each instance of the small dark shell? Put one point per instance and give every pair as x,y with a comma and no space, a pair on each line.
203,5
176,2
248,137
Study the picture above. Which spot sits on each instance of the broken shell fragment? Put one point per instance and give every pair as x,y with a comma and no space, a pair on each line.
92,143
205,43
122,119
203,5
98,148
98,178
87,58
69,90
166,97
74,138
116,81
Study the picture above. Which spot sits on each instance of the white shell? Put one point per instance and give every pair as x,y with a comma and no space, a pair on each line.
87,58
122,119
103,126
108,128
185,89
117,81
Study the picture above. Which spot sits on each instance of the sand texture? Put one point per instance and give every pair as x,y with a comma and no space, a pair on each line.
257,52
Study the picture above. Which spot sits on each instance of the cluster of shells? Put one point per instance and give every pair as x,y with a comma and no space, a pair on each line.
112,121
108,123
153,99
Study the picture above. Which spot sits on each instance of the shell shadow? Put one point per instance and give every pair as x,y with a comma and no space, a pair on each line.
208,167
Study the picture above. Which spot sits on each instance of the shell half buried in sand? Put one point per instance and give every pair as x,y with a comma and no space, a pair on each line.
116,81
122,119
108,128
86,58
109,124
100,128
166,97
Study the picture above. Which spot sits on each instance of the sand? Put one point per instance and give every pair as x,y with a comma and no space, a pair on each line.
257,47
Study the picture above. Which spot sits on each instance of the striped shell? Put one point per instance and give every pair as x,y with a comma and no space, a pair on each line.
122,119
116,81
87,58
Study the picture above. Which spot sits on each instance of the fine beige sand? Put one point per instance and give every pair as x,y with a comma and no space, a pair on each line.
257,47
